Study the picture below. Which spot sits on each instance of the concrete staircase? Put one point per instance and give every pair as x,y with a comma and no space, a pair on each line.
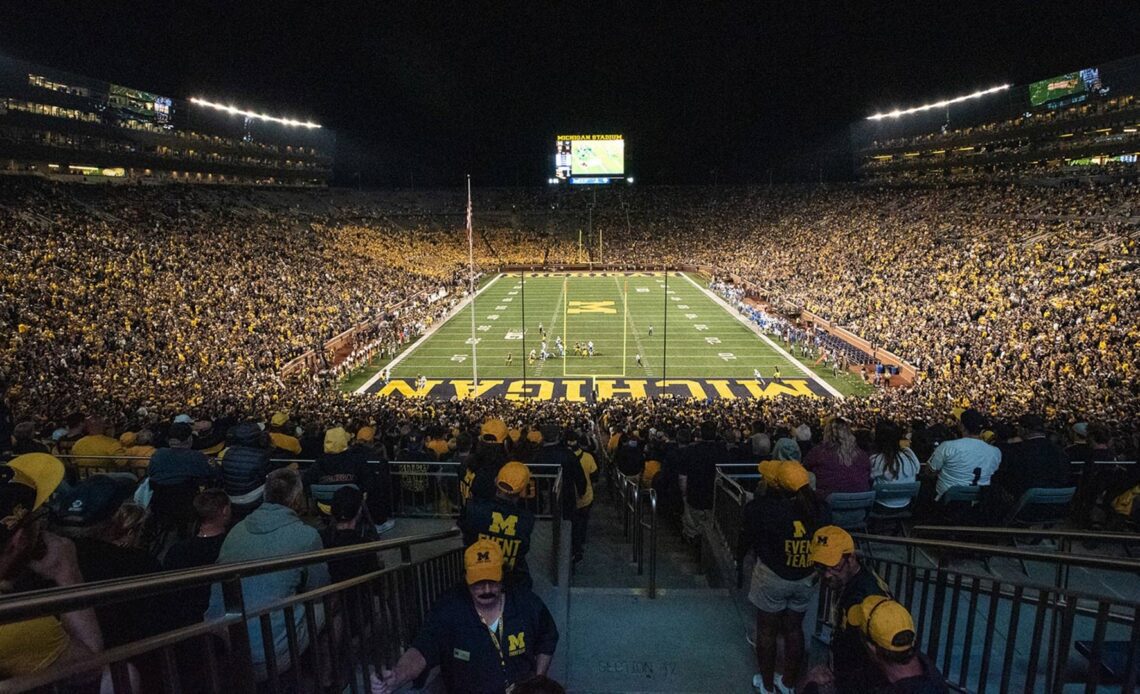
690,638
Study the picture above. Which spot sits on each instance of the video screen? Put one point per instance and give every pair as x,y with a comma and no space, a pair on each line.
1056,88
589,155
136,104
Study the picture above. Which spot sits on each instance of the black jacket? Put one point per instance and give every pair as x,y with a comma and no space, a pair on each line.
245,462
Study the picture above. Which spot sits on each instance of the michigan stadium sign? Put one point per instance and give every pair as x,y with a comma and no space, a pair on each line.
585,389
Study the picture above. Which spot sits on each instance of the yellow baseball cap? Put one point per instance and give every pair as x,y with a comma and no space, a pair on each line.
366,434
885,623
336,440
279,419
513,478
483,561
792,476
652,468
829,544
495,429
45,471
534,436
769,470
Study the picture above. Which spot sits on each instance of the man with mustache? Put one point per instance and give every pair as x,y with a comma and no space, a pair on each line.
483,636
833,553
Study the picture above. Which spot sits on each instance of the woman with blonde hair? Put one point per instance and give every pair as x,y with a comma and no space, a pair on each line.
838,463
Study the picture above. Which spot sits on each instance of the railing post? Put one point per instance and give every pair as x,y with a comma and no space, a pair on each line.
241,675
635,522
556,528
640,550
652,543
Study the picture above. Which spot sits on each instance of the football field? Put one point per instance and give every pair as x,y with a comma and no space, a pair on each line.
652,333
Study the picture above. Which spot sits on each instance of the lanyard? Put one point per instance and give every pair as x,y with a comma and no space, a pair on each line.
497,640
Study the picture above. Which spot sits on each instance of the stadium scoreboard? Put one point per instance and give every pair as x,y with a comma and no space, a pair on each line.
589,159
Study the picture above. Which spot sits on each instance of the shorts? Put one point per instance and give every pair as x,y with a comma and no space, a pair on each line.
771,593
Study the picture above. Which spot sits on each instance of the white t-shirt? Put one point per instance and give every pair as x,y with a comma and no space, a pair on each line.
964,462
908,472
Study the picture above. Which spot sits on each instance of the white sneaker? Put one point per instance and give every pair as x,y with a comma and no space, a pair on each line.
385,526
781,688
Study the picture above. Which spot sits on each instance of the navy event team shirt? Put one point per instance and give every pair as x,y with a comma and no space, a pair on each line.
454,638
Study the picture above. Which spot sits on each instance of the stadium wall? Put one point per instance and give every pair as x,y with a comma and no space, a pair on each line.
907,371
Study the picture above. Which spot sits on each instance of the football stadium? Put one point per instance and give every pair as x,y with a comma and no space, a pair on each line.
755,349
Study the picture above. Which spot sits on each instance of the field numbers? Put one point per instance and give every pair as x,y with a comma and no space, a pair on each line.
474,340
712,340
508,298
484,328
690,316
459,358
683,307
643,290
493,316
727,356
513,335
500,308
701,327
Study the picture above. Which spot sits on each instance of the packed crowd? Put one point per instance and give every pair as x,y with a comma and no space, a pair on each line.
131,301
231,490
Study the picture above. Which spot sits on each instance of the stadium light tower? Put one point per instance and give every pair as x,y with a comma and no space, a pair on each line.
253,115
898,113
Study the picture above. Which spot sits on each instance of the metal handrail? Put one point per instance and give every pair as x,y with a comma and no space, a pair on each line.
652,543
937,595
58,600
286,460
1082,560
1025,532
632,501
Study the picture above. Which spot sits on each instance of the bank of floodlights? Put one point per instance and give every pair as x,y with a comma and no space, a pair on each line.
897,113
250,114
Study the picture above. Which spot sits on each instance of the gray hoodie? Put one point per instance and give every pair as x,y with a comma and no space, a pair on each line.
272,530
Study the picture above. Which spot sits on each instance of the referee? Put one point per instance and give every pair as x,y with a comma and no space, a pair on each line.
484,636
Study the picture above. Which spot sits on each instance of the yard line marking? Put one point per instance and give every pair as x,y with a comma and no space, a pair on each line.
636,338
553,322
795,362
423,338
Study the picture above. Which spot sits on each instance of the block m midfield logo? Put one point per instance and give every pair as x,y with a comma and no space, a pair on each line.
576,307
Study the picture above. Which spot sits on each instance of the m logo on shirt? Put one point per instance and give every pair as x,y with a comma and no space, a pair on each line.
505,526
798,529
516,643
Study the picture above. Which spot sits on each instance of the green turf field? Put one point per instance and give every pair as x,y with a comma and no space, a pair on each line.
693,336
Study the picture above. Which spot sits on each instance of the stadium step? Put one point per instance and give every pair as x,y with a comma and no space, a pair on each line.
608,556
685,640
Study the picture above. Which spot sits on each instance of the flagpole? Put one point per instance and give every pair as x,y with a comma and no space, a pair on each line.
665,332
471,277
522,300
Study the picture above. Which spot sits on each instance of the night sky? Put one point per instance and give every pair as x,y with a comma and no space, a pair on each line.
701,90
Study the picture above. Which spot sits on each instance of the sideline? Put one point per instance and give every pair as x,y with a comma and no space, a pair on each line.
754,328
363,389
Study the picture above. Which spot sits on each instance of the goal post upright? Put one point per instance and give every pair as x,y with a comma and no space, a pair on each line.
565,318
625,327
